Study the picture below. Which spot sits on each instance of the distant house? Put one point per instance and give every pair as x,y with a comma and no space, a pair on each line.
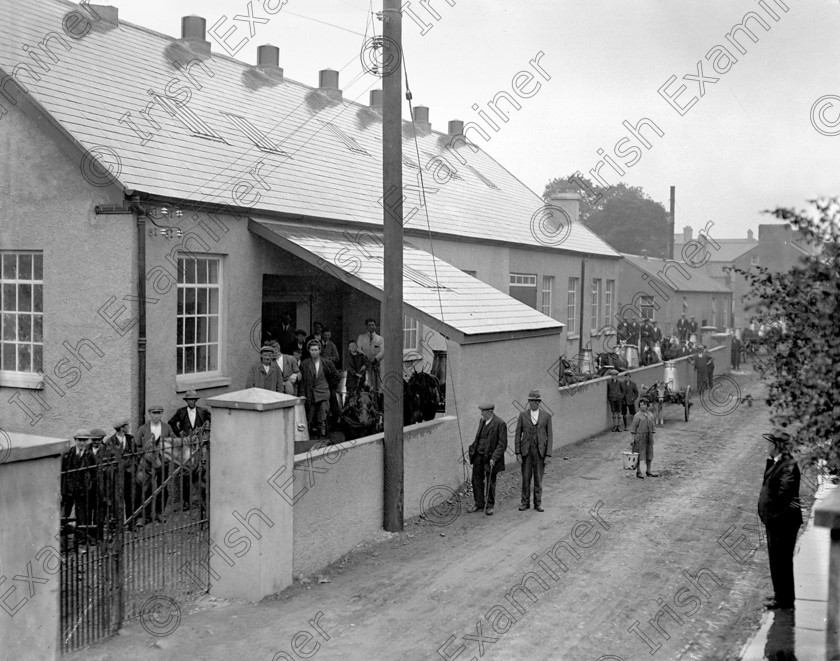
664,289
777,248
164,206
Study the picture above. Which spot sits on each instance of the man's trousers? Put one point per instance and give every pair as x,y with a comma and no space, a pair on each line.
478,479
533,466
781,542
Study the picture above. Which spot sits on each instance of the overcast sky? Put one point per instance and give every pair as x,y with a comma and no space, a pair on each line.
747,144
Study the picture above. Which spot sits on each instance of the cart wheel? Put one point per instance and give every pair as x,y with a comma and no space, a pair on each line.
687,401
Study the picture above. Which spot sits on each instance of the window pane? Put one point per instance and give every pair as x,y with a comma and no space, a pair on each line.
25,267
38,263
24,328
9,266
189,330
189,296
37,358
201,271
213,357
201,330
9,361
201,358
213,271
213,333
9,298
201,301
180,304
181,269
189,360
213,307
9,327
24,358
25,298
38,296
38,328
179,360
189,270
179,333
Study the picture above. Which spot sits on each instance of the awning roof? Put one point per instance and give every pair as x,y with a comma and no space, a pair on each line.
442,297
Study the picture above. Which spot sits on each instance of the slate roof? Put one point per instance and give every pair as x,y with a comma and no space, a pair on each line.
729,251
446,298
699,281
321,158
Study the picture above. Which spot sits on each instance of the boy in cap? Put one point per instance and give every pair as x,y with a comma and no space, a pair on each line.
643,428
319,378
615,395
152,466
630,393
532,446
487,456
265,374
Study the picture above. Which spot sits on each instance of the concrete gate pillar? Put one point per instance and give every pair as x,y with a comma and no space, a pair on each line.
250,523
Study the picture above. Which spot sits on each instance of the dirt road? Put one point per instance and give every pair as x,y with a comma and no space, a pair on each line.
609,554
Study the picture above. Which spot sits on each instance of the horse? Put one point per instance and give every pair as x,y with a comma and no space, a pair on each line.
422,396
657,394
361,415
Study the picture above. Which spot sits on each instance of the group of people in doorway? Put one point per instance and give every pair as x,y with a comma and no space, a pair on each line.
117,478
308,367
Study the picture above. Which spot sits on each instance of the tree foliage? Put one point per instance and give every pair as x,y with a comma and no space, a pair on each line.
624,216
802,306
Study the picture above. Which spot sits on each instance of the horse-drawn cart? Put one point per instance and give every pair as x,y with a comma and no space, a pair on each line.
660,393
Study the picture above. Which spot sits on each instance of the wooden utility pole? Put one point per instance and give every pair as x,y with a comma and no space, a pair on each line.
392,305
671,222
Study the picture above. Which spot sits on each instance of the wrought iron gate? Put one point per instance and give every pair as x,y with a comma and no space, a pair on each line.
135,530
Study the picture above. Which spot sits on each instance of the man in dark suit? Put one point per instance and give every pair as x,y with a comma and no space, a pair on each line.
78,485
286,332
693,330
289,370
780,511
646,332
629,395
623,330
265,374
532,445
487,456
319,378
682,328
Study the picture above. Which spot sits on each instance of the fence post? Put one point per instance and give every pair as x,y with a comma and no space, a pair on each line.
252,487
827,515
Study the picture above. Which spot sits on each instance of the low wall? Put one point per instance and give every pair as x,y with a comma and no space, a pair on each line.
339,496
30,479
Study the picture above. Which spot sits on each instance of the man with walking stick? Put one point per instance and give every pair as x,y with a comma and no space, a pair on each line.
487,456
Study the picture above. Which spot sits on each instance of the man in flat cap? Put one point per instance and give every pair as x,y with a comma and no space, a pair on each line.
487,456
77,479
779,509
630,393
265,374
153,466
615,395
185,422
532,445
121,450
319,378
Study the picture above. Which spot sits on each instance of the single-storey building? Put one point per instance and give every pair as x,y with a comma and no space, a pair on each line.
164,205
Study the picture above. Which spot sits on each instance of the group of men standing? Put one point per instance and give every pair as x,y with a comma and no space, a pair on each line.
309,368
533,441
106,477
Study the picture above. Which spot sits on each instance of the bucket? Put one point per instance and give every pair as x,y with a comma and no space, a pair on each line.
631,459
669,376
631,355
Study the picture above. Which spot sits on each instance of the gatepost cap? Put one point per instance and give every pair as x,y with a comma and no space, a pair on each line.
487,406
534,394
191,394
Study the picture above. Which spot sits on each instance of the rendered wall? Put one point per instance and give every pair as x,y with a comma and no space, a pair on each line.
338,491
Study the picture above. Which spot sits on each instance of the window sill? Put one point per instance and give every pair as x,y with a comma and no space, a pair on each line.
28,380
184,383
575,336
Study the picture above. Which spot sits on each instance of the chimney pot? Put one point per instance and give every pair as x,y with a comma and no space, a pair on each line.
268,56
328,83
688,233
456,127
376,99
193,28
750,235
106,13
569,201
421,114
